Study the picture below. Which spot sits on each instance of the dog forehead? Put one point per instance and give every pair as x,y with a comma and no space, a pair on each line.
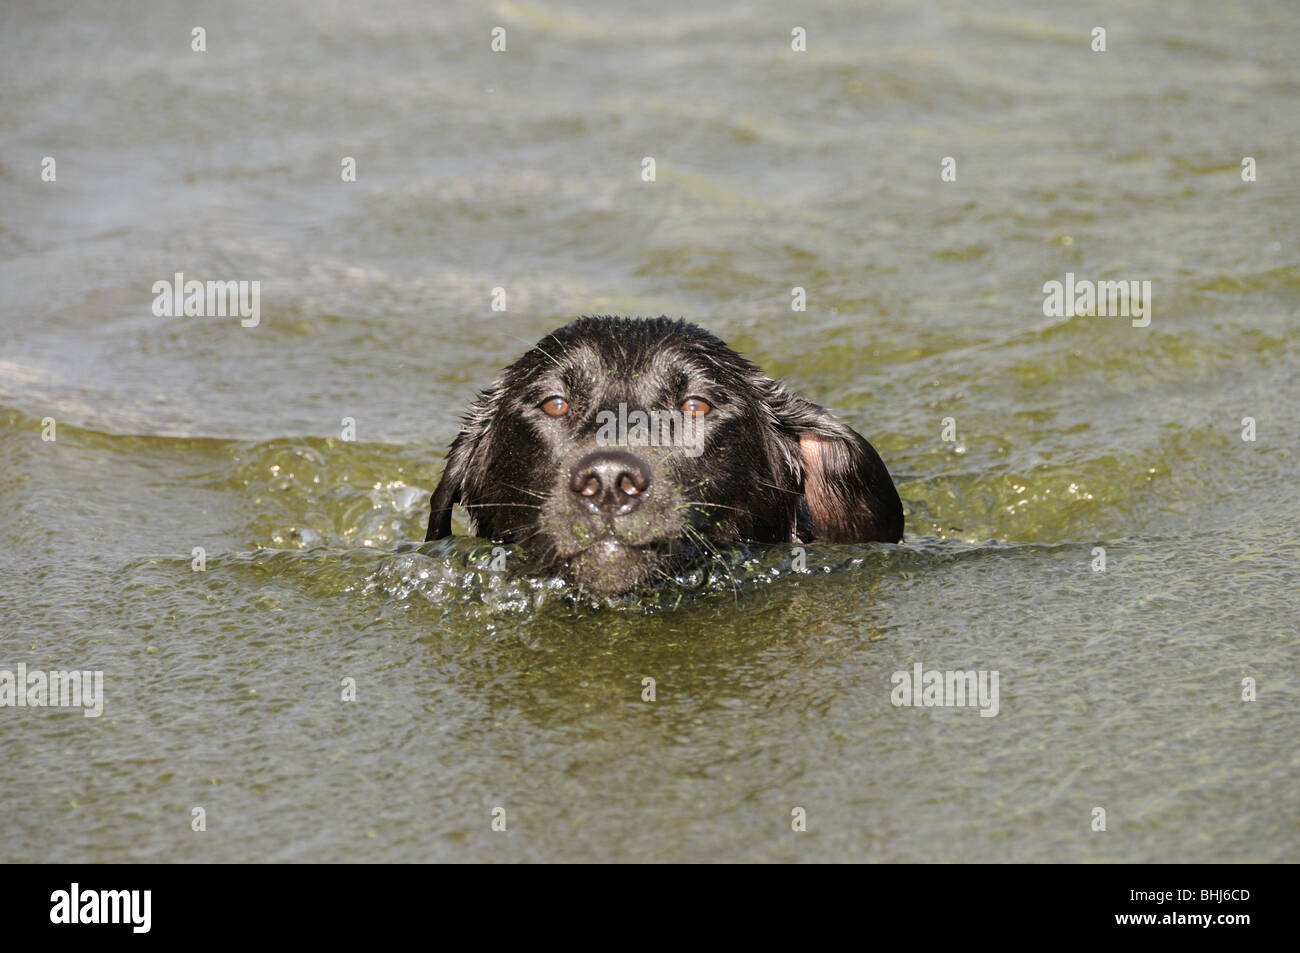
606,365
630,359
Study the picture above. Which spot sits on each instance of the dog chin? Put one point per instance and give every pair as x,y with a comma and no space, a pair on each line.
609,567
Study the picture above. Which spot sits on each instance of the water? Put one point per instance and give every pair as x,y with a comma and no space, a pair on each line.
478,689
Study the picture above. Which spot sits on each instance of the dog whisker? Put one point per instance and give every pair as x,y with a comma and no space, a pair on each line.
480,506
537,493
701,504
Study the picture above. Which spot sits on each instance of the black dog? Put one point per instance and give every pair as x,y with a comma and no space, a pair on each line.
616,446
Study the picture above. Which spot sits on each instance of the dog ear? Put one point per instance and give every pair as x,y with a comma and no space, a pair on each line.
452,487
445,496
846,486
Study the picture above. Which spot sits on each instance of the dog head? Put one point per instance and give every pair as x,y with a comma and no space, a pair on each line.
616,445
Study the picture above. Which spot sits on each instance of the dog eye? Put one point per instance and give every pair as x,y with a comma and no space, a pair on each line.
555,406
696,406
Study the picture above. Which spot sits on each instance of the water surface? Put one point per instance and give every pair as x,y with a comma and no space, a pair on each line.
479,689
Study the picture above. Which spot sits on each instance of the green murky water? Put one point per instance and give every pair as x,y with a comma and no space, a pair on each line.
478,689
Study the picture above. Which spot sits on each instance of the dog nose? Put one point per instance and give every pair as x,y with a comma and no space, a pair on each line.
610,481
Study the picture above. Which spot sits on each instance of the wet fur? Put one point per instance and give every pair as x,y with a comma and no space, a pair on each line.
775,467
